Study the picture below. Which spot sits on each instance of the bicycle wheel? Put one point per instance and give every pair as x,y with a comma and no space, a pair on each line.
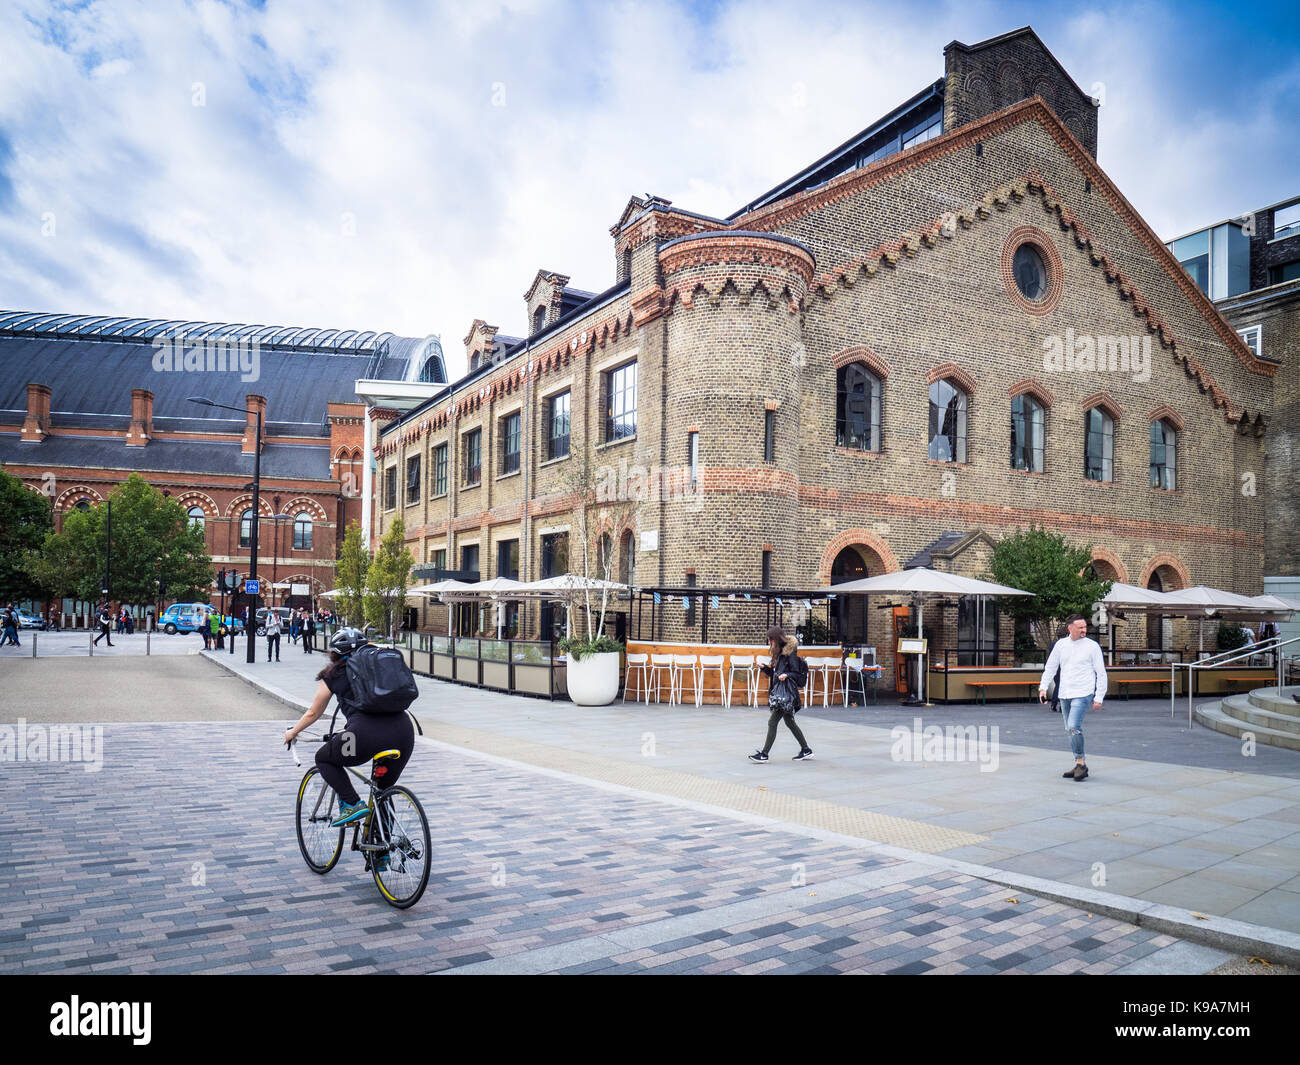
317,807
402,825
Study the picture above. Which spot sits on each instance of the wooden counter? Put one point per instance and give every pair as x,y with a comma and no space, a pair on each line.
712,693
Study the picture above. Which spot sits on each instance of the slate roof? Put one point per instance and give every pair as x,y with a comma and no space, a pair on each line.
925,557
293,461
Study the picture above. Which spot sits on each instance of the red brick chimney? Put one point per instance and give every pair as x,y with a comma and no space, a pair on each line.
37,426
141,418
254,404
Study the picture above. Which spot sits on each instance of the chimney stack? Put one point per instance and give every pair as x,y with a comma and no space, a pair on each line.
141,418
254,405
37,425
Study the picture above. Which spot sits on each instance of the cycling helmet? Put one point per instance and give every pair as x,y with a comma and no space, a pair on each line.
345,641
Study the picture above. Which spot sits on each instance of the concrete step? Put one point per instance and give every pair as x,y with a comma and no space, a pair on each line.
1211,715
1277,700
1247,711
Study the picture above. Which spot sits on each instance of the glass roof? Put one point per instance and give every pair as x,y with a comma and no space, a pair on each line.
127,329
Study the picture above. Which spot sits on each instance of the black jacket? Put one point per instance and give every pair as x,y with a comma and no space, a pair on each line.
789,662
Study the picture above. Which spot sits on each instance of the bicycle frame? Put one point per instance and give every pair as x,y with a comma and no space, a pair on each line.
375,792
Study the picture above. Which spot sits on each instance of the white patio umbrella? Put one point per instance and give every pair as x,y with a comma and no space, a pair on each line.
921,583
566,588
447,591
1201,602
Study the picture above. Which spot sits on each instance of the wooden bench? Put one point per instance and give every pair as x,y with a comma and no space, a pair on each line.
1142,680
1234,678
982,684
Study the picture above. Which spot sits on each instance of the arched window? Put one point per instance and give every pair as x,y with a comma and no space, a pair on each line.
857,408
605,557
82,504
1099,446
1164,456
302,532
1026,434
246,528
948,405
627,564
195,515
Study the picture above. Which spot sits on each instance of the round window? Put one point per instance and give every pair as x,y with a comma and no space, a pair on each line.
1029,272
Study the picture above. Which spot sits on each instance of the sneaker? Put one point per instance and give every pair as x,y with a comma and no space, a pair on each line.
1080,772
381,863
803,755
758,756
349,812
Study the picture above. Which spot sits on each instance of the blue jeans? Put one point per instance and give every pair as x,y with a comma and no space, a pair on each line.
1072,710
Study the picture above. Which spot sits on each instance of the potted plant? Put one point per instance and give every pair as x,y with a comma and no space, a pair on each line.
594,659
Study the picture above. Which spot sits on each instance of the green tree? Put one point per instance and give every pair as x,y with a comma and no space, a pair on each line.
25,519
1058,573
153,544
350,575
387,578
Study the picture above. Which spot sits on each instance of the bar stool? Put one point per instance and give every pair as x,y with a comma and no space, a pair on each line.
683,664
744,665
823,667
714,663
659,663
640,665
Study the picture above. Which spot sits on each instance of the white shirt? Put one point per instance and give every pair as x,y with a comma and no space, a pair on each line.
1083,672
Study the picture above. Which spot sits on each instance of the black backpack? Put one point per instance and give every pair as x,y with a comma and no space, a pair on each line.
382,682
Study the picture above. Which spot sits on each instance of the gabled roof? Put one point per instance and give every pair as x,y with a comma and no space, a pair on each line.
1024,31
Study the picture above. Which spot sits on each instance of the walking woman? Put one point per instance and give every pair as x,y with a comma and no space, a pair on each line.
787,673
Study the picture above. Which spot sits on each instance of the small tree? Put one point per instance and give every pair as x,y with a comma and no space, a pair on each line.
1059,574
597,508
350,574
388,577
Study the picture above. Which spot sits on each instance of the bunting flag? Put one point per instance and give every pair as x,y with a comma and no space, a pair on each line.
686,602
732,596
656,595
715,602
779,602
807,605
747,597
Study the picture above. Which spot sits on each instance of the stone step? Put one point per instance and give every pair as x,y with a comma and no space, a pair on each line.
1249,713
1211,715
1277,700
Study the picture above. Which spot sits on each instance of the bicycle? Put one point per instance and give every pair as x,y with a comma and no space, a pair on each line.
396,844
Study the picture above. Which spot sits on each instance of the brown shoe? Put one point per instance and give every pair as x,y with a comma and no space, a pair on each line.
1080,772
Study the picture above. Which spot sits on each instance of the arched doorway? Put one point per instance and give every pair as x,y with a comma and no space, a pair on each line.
1160,629
853,563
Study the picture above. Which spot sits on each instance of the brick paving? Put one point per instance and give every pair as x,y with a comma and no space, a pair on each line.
179,856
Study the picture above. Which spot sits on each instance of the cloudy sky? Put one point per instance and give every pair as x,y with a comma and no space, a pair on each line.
409,166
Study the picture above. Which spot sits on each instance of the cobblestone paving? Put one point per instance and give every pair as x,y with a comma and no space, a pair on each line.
180,856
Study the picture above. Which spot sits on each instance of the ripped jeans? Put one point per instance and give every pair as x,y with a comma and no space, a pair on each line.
1072,710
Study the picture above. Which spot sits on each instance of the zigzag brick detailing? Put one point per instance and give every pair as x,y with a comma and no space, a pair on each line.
908,268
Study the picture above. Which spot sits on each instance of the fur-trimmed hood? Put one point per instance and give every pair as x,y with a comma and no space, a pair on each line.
791,646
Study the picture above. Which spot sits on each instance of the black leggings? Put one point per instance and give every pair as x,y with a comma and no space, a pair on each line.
775,719
365,736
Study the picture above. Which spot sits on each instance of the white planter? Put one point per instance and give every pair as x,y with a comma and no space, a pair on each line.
593,680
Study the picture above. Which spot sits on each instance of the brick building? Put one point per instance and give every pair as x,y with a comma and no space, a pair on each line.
951,326
87,401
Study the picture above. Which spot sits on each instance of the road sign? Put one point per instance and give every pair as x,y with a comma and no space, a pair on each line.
252,587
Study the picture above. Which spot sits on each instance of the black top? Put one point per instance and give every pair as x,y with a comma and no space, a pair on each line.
338,683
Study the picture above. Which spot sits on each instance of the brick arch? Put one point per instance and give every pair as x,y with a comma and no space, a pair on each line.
1106,402
1167,414
1043,86
950,371
189,499
305,503
1172,562
70,497
854,538
869,358
1033,388
1010,82
1103,554
305,578
1051,263
241,503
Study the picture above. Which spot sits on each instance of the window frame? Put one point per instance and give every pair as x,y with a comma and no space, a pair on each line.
1107,460
873,399
555,440
1168,470
472,441
246,528
615,422
961,432
1032,448
438,471
510,460
412,480
300,542
390,487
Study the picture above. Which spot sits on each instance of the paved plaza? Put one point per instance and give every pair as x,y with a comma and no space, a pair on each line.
620,839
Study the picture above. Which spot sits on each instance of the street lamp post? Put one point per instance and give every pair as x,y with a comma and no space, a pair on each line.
251,621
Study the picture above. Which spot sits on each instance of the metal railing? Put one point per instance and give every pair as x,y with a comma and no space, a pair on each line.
1236,654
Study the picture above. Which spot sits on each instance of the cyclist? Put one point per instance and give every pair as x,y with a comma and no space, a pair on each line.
365,736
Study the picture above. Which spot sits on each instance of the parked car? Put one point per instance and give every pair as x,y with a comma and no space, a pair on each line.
285,615
30,621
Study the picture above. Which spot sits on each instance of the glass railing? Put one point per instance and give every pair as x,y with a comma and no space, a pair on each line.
494,650
440,645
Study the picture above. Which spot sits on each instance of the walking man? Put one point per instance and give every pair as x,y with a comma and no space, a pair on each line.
10,626
105,626
1082,685
308,631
